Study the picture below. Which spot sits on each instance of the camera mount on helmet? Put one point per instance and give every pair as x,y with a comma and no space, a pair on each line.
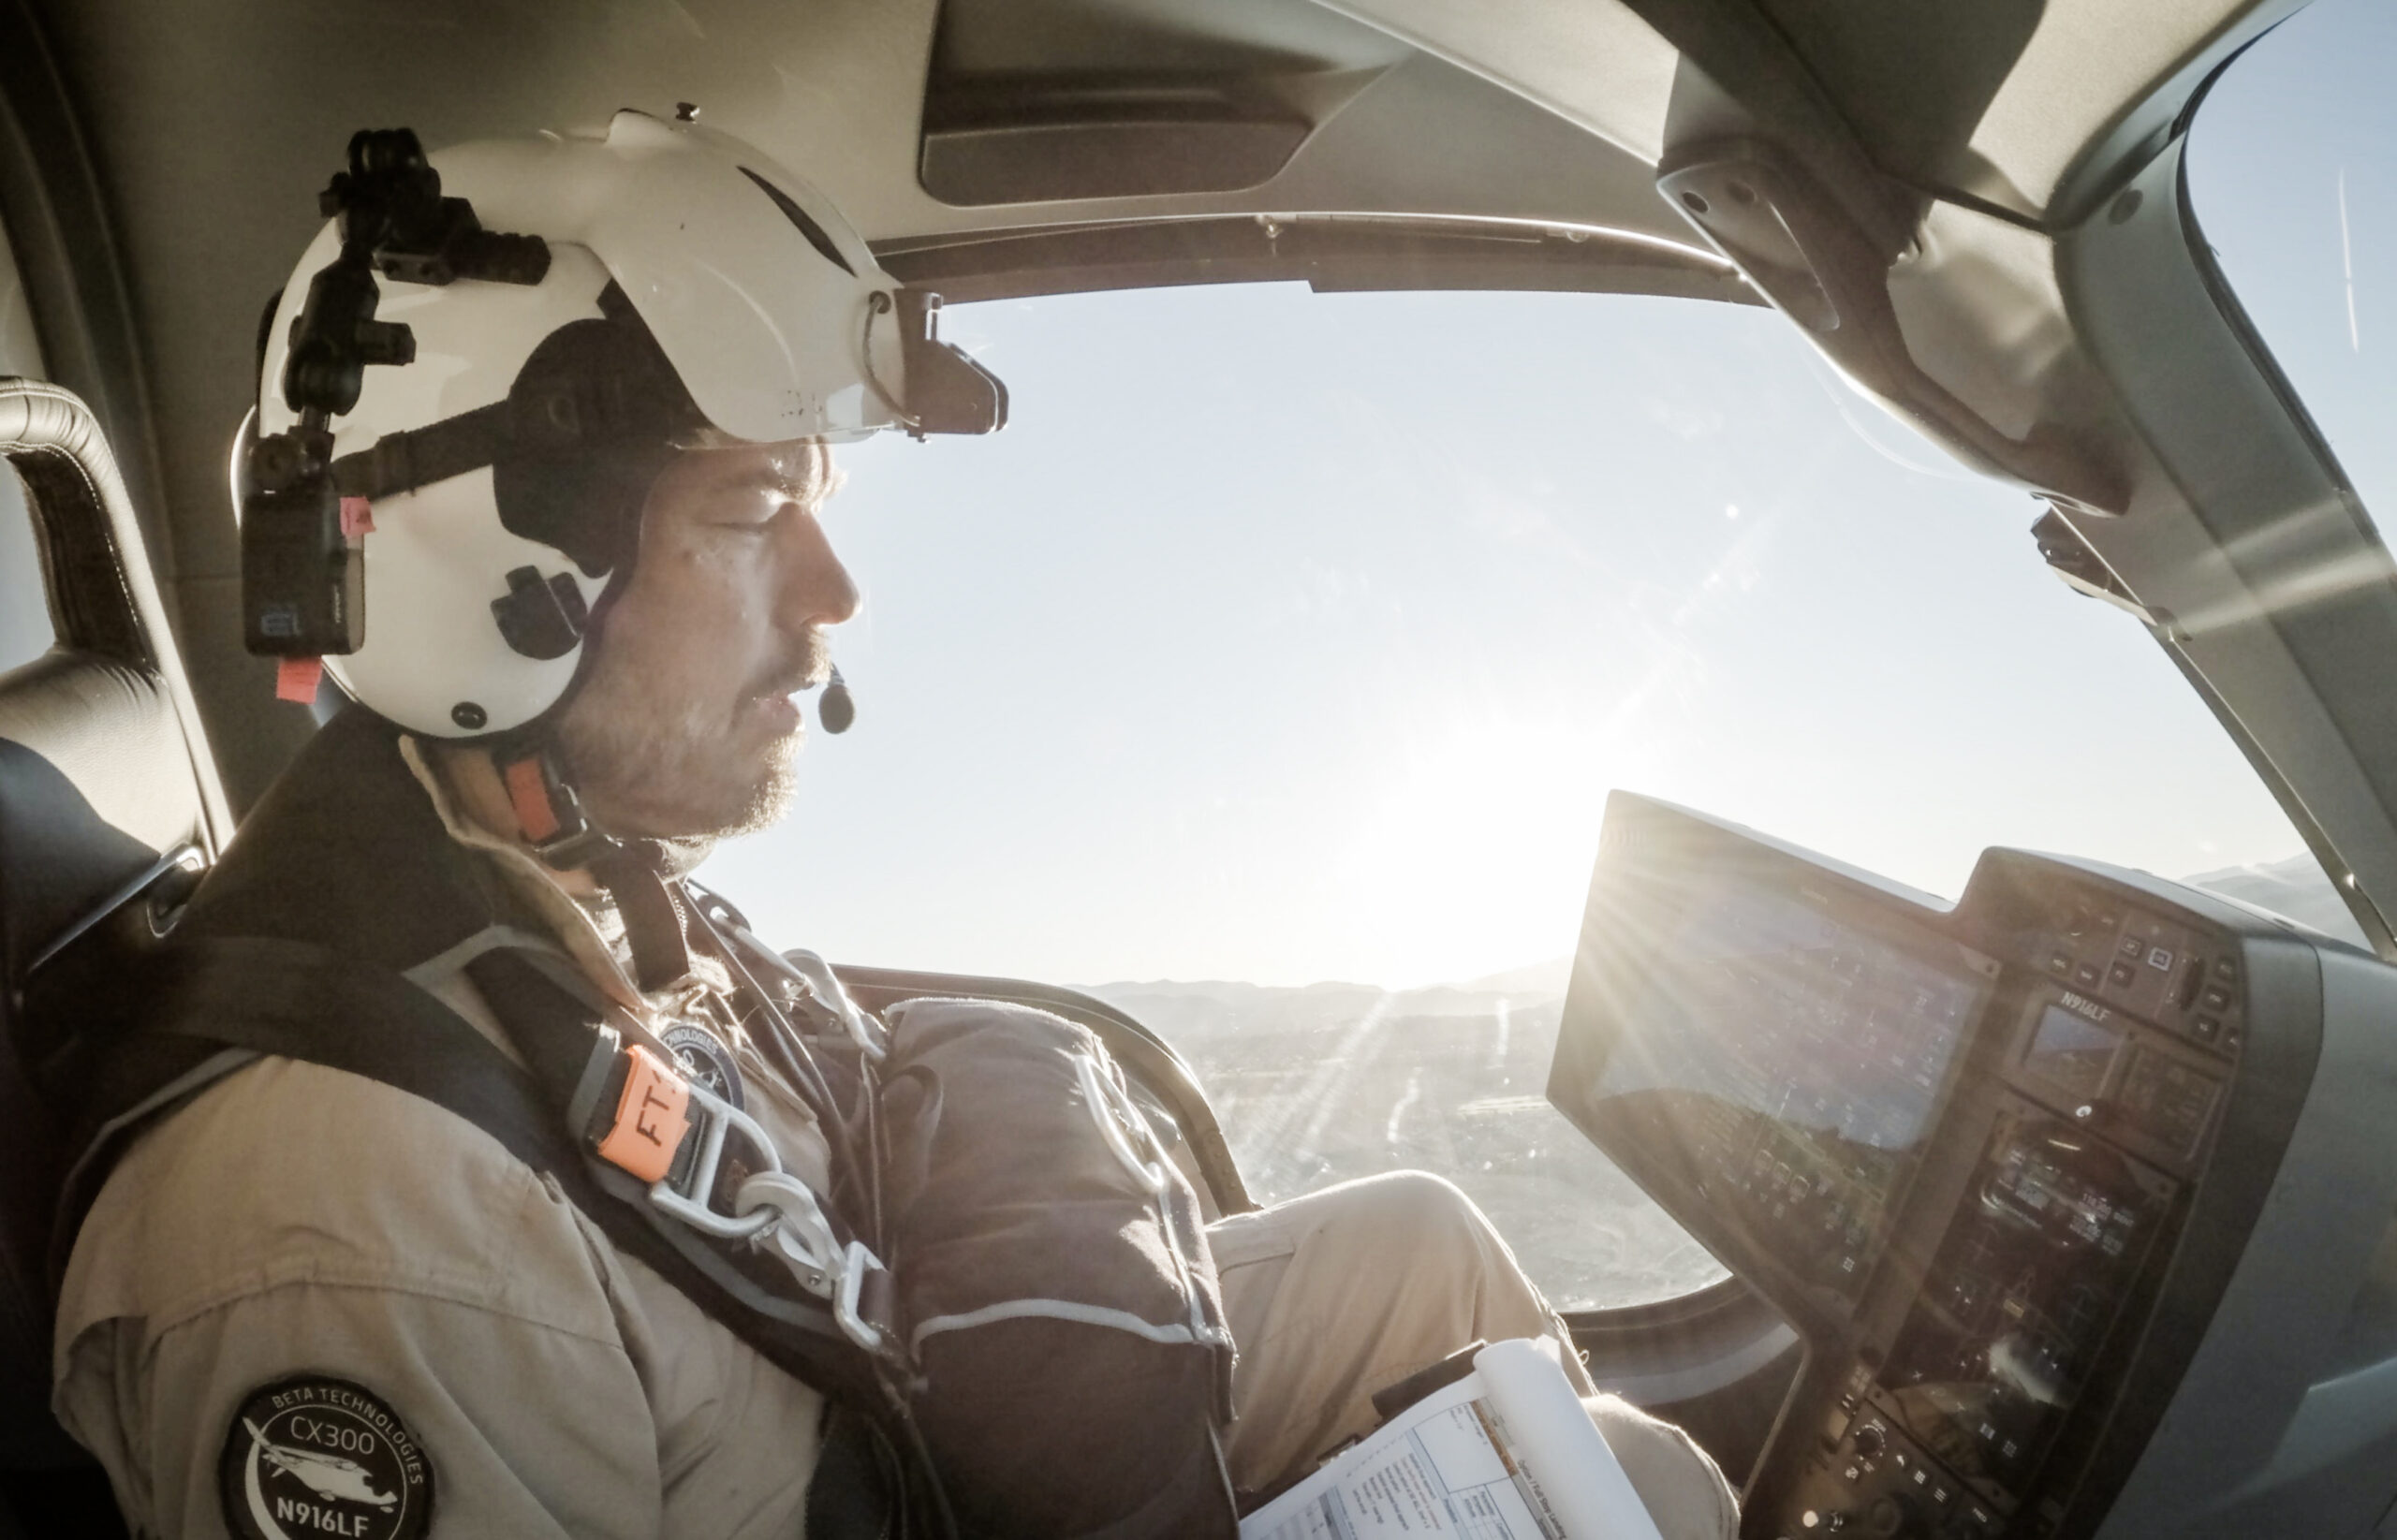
302,584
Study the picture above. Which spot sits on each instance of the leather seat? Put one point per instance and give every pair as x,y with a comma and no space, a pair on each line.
110,806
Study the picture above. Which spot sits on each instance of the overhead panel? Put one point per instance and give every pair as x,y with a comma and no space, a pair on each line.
1594,62
1055,111
1043,100
1915,81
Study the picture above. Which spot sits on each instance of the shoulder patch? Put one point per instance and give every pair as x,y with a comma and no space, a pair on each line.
316,1456
705,1060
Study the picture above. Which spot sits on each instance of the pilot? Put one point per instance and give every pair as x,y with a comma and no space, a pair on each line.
306,1302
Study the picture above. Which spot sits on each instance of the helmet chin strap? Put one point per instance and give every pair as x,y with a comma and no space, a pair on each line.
635,873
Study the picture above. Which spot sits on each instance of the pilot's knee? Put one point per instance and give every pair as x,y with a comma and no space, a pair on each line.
1420,1232
1678,1481
1425,1209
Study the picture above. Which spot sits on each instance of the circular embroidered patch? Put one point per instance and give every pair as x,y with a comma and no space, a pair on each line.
314,1456
705,1059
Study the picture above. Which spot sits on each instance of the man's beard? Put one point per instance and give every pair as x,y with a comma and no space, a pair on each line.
662,764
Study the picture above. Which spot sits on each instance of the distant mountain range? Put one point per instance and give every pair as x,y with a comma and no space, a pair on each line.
1189,1015
2297,888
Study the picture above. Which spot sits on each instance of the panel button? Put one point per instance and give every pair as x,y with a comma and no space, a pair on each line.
2216,997
2207,1029
2121,973
2087,974
2060,963
2133,946
2225,969
2232,1037
2160,957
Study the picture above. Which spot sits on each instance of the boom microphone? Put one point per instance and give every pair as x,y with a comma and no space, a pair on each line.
837,709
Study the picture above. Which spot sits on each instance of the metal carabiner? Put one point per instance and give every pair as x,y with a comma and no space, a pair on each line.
773,1210
855,1264
688,1202
799,1236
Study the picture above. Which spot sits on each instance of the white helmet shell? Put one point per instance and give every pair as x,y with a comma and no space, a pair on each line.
767,304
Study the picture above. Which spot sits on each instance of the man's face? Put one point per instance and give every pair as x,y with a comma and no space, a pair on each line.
686,726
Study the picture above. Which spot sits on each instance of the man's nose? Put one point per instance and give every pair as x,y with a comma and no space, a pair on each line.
816,590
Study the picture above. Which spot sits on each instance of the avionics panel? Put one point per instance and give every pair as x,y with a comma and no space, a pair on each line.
1767,1040
1995,1160
1998,1163
1996,1352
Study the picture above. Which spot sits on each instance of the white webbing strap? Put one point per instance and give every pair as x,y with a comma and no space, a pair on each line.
1064,1310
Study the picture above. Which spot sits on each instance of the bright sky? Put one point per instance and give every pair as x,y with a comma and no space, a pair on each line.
1286,636
2293,172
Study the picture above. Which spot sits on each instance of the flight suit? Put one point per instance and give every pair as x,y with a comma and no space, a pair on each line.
307,1303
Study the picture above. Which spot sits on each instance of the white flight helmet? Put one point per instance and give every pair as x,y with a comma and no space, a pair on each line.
692,289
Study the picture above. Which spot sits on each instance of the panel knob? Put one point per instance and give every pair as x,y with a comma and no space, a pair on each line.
1894,1516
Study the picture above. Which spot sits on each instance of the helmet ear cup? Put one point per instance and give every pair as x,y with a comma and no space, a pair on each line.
594,417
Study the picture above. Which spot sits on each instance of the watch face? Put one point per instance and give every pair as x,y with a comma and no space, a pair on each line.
313,1455
706,1060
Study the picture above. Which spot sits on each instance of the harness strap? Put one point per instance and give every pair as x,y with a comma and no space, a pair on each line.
201,997
653,916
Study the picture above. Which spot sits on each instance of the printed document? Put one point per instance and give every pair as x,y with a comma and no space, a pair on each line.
1505,1453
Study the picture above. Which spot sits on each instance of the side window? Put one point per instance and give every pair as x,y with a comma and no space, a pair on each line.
1329,1083
24,611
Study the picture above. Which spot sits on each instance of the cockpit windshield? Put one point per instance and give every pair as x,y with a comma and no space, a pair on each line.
1268,675
2292,172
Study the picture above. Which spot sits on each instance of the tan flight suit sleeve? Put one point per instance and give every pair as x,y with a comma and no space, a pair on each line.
297,1220
529,1429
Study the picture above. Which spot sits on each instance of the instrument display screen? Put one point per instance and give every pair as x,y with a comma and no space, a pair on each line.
2071,1050
1776,1049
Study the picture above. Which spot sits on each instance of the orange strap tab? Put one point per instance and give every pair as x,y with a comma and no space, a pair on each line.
652,1117
529,795
296,680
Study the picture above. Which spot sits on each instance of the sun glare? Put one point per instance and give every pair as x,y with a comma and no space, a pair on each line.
1475,855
